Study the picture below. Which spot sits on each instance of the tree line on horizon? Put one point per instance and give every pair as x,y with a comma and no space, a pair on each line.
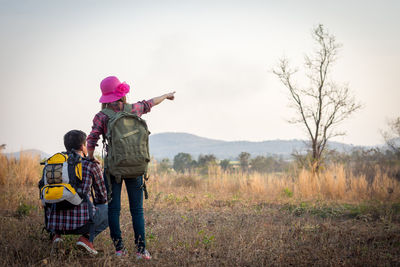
185,162
359,161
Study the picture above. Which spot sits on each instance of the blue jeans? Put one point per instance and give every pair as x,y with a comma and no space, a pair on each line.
100,223
100,219
134,187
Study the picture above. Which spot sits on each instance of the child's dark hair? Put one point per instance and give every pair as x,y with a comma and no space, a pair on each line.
74,139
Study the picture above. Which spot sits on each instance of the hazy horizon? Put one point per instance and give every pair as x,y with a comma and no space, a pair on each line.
213,139
216,55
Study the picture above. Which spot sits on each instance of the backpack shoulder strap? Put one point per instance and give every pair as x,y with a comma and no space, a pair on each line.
73,160
109,112
128,108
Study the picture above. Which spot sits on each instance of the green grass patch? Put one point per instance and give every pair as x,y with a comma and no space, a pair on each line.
24,209
367,211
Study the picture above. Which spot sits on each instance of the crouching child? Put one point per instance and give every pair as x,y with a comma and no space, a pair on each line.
68,182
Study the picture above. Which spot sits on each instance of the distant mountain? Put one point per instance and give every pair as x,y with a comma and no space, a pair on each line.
167,145
33,152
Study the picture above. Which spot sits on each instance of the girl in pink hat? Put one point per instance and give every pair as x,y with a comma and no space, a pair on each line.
114,97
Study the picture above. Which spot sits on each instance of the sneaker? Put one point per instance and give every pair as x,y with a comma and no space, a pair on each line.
118,244
56,239
83,242
121,253
143,255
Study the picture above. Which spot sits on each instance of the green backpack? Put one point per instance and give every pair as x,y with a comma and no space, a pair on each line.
127,145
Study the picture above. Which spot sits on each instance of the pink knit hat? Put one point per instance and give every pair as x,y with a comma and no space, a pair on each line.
112,89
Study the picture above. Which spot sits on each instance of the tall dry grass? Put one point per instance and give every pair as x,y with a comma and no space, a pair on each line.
332,184
18,180
22,171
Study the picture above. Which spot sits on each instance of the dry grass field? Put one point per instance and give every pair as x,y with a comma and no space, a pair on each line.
222,219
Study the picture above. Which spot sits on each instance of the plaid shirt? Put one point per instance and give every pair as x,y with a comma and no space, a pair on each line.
100,119
78,216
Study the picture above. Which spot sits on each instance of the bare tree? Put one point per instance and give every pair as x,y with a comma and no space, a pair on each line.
244,158
392,136
323,104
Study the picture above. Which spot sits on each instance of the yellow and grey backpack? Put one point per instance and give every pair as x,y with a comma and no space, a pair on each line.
61,181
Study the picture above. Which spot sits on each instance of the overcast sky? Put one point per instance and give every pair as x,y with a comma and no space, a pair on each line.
216,55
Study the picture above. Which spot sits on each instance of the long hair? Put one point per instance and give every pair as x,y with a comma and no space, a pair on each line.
105,105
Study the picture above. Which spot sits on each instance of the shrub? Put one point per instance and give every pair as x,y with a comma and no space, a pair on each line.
186,181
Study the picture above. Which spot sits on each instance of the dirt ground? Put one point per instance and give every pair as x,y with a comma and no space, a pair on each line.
219,232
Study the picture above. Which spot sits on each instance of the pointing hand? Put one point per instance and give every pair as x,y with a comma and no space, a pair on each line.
170,96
